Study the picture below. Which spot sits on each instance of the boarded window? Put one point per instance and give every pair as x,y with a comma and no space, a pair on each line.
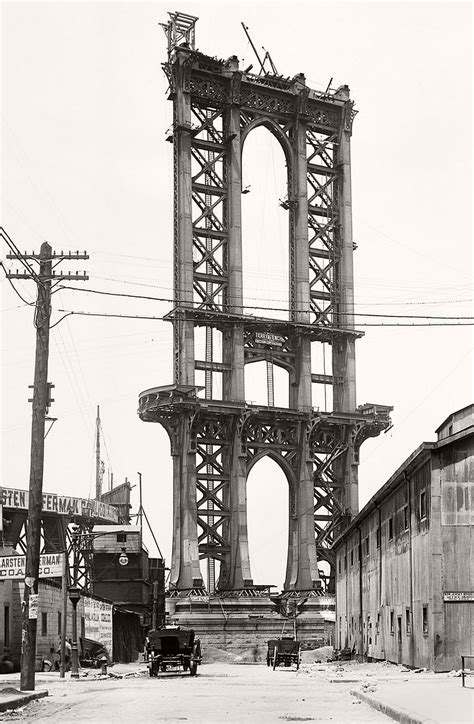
457,503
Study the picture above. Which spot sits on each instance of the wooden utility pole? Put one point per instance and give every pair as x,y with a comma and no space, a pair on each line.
33,533
41,400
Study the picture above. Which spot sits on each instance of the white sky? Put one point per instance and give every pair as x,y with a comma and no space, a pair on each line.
85,166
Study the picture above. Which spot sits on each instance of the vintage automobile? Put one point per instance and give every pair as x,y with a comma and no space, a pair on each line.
172,648
285,650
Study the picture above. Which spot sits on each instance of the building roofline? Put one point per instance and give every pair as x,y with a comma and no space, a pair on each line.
413,462
461,409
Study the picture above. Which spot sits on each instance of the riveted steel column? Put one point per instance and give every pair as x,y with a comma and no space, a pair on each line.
302,564
185,570
235,569
302,567
300,385
344,347
233,342
183,241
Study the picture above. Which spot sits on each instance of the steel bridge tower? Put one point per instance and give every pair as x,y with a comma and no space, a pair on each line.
215,442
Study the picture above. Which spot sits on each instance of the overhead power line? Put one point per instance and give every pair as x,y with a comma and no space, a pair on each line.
264,321
267,308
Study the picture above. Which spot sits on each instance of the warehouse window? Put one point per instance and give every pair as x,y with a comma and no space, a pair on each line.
425,620
339,565
408,621
352,556
422,504
345,561
390,528
44,623
367,546
406,519
377,625
392,622
59,623
377,538
121,537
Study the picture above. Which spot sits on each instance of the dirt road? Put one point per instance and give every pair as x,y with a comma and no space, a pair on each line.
220,693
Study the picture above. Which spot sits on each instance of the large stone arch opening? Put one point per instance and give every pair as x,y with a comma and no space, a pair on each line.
267,520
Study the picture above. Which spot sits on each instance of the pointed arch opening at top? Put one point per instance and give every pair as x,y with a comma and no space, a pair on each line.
266,158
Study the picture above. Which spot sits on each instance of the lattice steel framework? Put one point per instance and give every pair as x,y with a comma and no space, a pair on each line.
215,442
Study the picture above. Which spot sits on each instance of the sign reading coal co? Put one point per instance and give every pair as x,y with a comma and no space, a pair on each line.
13,567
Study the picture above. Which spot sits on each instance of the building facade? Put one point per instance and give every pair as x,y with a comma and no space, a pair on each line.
405,565
94,621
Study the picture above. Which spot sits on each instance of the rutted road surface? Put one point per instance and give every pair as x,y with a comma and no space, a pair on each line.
219,693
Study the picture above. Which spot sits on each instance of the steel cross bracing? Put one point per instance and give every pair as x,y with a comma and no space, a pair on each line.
57,537
216,442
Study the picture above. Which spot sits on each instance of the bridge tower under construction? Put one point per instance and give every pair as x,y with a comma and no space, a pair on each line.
216,440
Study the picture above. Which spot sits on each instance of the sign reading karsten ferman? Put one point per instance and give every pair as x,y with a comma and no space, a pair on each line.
13,567
61,504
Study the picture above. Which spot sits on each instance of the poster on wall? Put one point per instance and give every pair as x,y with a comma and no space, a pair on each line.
98,622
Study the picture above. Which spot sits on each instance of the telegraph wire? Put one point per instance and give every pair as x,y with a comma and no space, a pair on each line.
264,321
19,256
263,299
267,308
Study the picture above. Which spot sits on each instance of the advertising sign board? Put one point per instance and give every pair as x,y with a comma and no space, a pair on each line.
61,504
13,567
268,338
98,622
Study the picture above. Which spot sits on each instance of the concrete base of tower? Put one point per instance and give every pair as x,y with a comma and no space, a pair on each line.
242,626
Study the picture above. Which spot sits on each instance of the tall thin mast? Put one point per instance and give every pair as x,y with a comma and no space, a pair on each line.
98,471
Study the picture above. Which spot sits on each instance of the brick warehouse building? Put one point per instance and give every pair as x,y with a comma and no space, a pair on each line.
405,565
